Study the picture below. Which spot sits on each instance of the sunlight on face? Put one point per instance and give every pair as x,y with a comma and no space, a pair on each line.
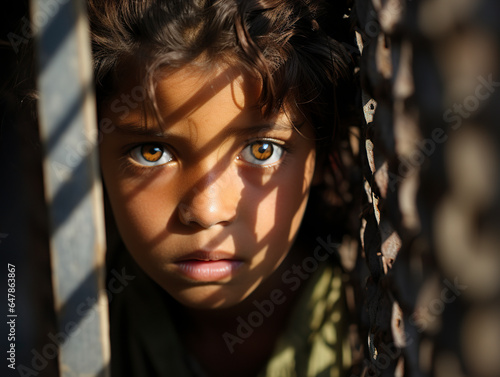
209,202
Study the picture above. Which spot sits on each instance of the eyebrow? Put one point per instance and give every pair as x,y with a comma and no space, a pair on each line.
139,130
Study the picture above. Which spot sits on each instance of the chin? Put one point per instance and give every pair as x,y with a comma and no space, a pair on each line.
209,297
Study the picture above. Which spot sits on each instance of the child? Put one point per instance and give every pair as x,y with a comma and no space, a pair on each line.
220,117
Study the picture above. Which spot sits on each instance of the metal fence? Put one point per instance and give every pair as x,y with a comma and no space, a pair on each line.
432,169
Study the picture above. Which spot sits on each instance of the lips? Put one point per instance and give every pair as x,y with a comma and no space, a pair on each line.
206,266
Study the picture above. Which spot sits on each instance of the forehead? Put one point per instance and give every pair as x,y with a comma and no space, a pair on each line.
190,89
225,95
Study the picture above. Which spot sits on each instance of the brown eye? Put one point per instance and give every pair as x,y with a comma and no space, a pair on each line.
151,155
262,152
151,152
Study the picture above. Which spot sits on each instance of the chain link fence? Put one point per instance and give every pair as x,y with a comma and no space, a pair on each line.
430,156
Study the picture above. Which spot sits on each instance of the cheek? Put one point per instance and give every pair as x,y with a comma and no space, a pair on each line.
141,210
298,194
280,212
279,215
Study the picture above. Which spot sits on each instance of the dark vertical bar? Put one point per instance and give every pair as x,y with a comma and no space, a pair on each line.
23,218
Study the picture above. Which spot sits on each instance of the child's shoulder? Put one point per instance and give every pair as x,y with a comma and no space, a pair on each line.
315,338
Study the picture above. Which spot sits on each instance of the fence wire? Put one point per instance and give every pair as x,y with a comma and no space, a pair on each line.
430,75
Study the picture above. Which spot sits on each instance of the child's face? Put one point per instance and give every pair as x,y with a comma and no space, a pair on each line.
208,204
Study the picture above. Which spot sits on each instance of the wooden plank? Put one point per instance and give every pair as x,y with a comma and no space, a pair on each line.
73,191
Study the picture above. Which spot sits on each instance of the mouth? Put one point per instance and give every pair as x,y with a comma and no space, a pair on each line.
206,266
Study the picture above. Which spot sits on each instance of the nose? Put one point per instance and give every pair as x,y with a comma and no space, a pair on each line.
210,200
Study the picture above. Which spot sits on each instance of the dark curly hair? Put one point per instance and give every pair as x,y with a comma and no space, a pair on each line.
280,42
